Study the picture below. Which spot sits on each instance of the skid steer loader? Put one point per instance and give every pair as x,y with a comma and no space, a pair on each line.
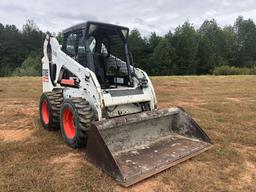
101,102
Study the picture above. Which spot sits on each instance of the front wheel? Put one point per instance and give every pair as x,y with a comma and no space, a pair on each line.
49,109
75,119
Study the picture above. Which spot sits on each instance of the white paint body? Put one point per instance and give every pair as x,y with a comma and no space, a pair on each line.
89,87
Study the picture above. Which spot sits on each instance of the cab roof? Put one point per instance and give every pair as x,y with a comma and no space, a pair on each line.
85,25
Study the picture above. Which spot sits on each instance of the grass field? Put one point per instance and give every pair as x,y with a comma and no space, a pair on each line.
33,159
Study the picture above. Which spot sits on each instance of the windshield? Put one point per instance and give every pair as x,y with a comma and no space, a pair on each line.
108,48
110,45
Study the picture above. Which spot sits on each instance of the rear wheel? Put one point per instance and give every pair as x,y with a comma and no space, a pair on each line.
49,109
75,119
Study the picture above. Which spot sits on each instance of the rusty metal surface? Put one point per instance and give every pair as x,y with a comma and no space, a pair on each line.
134,147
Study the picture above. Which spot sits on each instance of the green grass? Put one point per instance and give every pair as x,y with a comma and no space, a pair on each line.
33,159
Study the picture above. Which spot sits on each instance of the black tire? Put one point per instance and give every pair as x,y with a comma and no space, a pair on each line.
53,100
76,116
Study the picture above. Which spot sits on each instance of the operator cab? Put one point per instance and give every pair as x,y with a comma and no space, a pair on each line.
103,49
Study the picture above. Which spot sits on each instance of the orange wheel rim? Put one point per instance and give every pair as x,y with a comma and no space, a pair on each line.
45,112
68,123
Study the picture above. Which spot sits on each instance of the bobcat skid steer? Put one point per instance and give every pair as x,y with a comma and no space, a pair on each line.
101,102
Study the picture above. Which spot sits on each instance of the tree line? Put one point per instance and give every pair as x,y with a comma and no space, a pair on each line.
20,48
185,51
190,51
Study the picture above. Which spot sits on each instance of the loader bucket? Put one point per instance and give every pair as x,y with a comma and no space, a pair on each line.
134,147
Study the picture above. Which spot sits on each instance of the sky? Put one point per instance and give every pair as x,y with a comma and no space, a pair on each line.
147,16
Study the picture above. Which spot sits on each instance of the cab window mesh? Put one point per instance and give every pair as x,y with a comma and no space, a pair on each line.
116,65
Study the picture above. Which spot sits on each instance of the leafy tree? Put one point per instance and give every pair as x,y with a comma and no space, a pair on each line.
1,27
211,47
31,66
11,50
150,58
138,47
16,45
33,38
163,59
246,42
229,45
185,43
59,38
206,57
153,41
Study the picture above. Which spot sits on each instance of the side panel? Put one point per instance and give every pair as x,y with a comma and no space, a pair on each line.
88,88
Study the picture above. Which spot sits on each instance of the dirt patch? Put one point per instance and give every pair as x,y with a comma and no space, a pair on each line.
246,178
71,159
16,135
17,114
248,174
239,100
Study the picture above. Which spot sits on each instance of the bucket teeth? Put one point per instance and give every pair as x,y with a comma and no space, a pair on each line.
134,147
